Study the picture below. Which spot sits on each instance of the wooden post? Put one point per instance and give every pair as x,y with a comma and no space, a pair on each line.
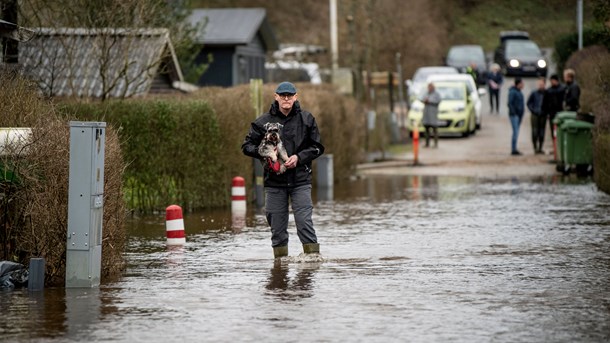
256,98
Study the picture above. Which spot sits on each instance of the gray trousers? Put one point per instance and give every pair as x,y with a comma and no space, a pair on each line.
276,209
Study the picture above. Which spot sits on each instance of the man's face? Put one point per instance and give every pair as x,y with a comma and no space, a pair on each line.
541,84
520,85
554,82
286,100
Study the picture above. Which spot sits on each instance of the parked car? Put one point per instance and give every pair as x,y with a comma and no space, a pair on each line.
456,113
418,83
463,56
474,92
518,55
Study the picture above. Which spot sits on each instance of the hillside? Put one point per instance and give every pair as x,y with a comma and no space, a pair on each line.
420,30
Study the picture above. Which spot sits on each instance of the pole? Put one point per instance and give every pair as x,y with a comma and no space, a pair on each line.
416,144
401,98
579,22
256,96
334,40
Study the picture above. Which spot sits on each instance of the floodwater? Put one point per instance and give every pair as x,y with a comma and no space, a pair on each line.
419,259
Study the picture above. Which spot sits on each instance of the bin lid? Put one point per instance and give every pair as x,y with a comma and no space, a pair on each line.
577,124
563,115
560,121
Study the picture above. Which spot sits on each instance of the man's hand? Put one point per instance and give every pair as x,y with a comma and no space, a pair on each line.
292,161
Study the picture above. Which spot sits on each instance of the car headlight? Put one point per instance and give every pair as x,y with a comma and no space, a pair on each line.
541,63
513,63
460,123
459,108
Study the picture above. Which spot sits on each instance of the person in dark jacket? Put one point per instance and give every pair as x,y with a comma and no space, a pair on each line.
572,94
516,108
301,139
553,101
494,81
538,119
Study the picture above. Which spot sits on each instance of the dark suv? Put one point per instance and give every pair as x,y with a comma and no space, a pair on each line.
518,55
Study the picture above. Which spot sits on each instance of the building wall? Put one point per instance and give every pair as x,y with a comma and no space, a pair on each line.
220,70
233,65
250,61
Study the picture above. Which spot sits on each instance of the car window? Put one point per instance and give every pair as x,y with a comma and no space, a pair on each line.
450,93
469,85
466,55
422,74
522,48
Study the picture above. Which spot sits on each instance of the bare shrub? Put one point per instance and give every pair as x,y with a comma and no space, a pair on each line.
35,200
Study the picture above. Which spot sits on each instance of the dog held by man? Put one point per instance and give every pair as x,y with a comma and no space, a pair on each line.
301,140
271,148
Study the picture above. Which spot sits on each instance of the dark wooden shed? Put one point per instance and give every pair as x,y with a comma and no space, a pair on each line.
237,39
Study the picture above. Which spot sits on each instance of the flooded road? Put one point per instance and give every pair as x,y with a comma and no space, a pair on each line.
407,258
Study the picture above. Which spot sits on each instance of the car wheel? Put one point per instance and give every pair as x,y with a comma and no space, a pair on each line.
473,120
466,132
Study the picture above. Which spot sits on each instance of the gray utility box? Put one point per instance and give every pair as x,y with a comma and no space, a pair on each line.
85,204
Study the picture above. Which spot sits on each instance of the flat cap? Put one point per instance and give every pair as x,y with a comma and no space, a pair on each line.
286,87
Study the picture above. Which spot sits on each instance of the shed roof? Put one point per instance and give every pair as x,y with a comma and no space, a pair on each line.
233,26
97,62
14,31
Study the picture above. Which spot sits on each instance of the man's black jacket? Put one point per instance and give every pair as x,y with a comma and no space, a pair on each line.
300,136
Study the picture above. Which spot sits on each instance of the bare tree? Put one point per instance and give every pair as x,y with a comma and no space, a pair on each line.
105,48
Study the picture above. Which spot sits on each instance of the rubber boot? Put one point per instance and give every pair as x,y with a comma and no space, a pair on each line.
280,251
311,248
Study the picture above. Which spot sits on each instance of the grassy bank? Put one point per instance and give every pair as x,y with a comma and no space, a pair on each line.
545,20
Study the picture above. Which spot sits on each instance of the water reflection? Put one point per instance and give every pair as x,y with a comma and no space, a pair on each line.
83,310
286,287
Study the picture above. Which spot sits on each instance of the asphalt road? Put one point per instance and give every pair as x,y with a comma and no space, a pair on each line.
486,154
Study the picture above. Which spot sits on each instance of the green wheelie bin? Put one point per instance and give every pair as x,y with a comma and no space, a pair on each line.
560,118
577,145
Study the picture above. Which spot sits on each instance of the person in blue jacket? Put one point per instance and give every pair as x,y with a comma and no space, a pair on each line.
516,107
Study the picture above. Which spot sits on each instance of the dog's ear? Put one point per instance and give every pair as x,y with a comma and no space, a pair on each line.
280,126
266,126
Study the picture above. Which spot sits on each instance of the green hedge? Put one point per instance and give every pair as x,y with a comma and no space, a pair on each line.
171,149
567,44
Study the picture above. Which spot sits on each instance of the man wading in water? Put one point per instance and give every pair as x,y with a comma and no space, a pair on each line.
301,139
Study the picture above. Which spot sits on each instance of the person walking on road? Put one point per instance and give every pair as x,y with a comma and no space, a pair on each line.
430,117
302,141
572,95
516,108
553,101
538,119
494,82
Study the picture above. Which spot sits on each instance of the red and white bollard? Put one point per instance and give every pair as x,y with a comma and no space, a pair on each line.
238,203
416,144
174,225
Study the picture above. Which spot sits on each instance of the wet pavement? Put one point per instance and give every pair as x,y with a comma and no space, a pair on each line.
406,258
